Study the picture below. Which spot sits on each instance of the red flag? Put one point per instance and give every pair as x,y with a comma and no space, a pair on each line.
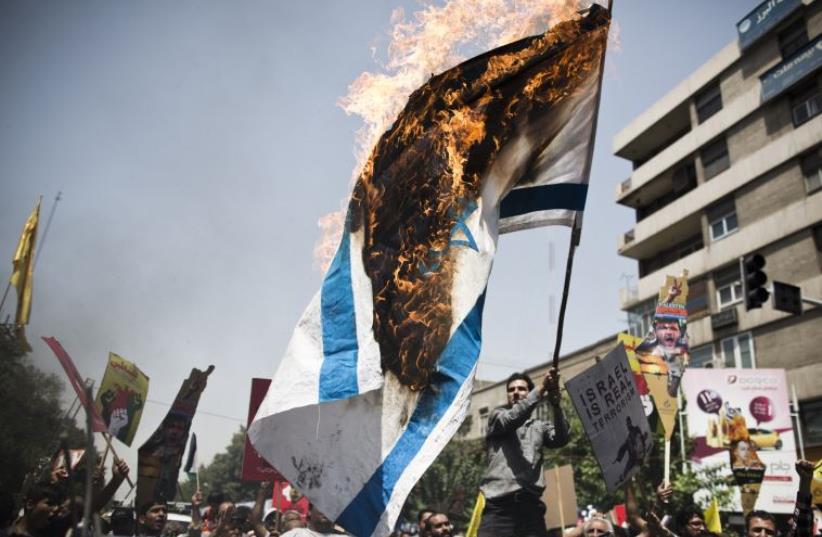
256,468
97,423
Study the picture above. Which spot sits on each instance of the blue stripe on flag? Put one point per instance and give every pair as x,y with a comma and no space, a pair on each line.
542,198
338,374
457,360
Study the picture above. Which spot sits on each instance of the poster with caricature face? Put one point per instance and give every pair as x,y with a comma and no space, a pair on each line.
740,419
663,354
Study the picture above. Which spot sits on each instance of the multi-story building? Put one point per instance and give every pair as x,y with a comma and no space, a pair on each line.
729,163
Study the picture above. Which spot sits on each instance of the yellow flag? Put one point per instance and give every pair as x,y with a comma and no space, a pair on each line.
712,521
23,263
816,484
476,516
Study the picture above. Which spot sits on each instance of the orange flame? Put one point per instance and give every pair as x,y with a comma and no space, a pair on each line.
431,40
425,172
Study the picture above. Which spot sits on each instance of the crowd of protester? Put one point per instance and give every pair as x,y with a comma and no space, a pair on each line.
56,506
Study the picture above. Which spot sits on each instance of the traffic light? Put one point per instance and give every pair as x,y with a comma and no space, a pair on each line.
787,297
754,280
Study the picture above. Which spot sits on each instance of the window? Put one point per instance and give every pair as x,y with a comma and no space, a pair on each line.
697,298
641,318
722,220
715,158
702,356
793,38
811,165
483,420
806,105
708,102
728,287
811,413
738,351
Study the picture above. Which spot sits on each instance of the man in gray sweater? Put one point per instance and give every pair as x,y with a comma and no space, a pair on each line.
513,482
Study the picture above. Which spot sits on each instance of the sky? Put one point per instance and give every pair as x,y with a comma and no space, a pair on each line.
197,144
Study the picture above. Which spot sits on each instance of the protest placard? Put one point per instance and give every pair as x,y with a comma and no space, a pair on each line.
560,497
256,468
121,398
607,400
160,457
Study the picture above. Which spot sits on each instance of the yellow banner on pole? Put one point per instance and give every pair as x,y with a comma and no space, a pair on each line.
23,272
712,520
476,517
121,397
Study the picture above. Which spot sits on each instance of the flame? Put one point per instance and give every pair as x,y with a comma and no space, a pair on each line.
431,40
424,173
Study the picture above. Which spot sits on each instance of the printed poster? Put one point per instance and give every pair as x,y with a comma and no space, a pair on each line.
663,354
121,398
607,400
160,457
740,419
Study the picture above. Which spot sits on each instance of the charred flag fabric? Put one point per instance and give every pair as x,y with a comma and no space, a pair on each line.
121,397
160,457
378,373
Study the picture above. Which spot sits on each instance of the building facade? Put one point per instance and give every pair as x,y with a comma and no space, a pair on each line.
727,164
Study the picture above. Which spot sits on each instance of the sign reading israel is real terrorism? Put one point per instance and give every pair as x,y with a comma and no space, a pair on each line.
377,376
607,400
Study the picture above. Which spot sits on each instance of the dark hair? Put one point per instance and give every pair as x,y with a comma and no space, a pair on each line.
428,520
7,508
216,498
520,376
44,490
764,515
684,515
149,504
122,521
423,511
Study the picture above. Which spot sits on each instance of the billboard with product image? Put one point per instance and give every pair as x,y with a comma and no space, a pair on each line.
740,419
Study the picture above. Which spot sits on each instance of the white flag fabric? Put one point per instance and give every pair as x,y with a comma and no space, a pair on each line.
378,373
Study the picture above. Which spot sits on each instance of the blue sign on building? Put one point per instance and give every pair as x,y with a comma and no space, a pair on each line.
806,60
764,17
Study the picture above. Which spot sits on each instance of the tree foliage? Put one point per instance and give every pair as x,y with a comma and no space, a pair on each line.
31,416
451,482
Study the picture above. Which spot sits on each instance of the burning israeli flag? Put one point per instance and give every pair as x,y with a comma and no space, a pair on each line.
377,376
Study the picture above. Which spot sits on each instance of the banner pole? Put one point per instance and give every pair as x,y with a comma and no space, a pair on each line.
102,463
89,485
667,478
569,265
107,438
57,198
576,227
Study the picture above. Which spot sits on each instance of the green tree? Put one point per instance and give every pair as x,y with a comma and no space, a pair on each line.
223,474
451,482
31,415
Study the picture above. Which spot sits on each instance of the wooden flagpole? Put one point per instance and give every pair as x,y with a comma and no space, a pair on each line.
576,229
107,438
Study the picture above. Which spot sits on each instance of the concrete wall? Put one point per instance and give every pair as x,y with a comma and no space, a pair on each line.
779,187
